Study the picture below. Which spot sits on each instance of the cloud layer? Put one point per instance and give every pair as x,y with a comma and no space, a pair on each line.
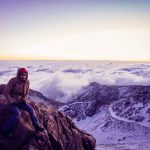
60,79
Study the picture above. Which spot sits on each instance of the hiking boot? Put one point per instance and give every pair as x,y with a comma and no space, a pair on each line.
38,128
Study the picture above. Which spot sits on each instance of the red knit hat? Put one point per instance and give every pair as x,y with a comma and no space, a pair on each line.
22,71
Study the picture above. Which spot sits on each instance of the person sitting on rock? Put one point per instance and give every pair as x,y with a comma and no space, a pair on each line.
16,93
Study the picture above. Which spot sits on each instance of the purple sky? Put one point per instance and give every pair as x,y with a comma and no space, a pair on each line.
31,25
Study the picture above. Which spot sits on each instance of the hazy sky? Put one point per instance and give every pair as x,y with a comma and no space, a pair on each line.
75,29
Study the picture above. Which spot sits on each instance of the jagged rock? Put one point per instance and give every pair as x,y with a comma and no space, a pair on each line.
102,94
60,132
88,101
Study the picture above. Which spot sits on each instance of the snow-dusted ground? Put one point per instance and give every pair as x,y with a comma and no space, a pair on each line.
125,146
113,114
146,121
115,133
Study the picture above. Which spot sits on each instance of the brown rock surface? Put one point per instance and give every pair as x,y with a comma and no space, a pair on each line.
60,132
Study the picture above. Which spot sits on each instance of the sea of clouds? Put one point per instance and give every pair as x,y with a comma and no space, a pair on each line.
59,80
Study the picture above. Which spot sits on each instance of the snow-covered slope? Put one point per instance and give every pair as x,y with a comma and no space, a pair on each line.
107,129
137,112
113,114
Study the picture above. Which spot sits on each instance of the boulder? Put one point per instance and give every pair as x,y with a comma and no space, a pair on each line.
60,132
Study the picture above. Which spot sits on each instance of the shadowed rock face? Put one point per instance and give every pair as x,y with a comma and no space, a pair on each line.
2,87
60,132
89,100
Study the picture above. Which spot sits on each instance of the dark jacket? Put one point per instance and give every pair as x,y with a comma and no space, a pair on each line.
16,90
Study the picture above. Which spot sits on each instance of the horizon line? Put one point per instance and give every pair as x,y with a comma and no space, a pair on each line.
73,60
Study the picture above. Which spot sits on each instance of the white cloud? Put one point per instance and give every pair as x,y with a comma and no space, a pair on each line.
57,83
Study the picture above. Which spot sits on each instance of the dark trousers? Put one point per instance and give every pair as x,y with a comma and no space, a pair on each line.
16,114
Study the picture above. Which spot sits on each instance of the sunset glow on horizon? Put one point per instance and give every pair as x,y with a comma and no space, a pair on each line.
75,30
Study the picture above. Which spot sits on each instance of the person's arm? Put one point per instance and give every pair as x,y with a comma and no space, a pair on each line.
7,91
25,96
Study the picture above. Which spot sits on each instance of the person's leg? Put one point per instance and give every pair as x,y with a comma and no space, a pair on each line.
11,122
32,114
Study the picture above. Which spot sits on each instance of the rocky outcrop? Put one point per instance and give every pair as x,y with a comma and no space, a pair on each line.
103,94
60,132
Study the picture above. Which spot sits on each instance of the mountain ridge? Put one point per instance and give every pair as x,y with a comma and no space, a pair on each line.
90,110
